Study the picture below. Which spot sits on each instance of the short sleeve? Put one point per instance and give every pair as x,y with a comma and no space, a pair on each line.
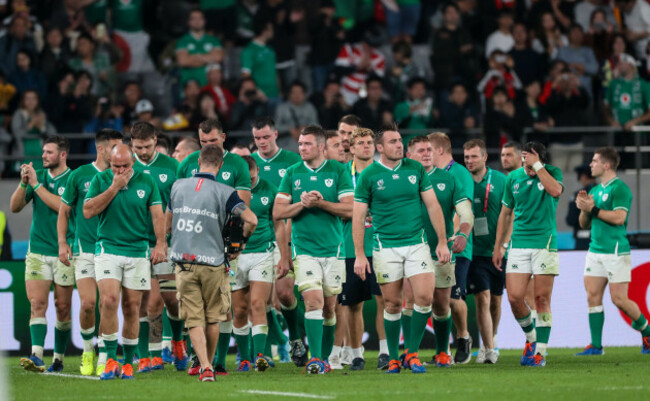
233,201
557,174
215,42
621,198
458,196
181,44
243,178
182,168
345,187
154,196
284,190
70,193
508,199
425,182
94,189
246,60
362,191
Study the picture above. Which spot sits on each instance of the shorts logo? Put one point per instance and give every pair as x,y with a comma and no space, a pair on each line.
605,197
282,172
424,265
265,273
543,266
65,276
140,193
163,177
309,273
143,281
380,185
296,185
265,200
449,279
329,182
385,275
412,179
337,278
107,272
225,175
515,267
441,187
61,190
540,186
84,271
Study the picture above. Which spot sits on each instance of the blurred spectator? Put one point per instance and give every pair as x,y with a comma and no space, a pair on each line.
501,39
402,71
528,64
96,62
186,146
223,98
373,110
548,37
68,16
326,36
284,18
329,104
29,125
584,14
356,62
500,123
402,17
457,112
187,112
555,71
258,62
206,110
145,112
600,34
296,113
251,103
453,56
418,111
21,9
247,10
70,106
501,73
131,94
128,25
627,100
163,144
96,12
7,97
587,182
580,59
529,112
27,77
560,10
196,50
106,116
55,55
221,18
637,21
609,70
14,40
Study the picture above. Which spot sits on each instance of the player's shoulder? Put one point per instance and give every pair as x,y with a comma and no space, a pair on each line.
411,164
266,185
167,161
333,165
553,170
233,159
498,175
289,156
191,158
620,185
518,174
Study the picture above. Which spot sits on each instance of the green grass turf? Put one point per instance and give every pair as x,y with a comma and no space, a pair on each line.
621,374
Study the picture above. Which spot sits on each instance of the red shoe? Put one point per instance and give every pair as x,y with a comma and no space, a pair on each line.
195,368
144,365
127,371
157,363
206,375
219,370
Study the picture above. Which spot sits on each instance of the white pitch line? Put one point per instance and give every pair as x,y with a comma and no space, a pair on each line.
72,376
303,395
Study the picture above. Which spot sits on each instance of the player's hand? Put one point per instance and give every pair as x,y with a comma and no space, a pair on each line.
459,245
24,174
282,268
530,158
443,254
27,171
159,253
120,180
497,256
65,254
361,267
585,203
308,199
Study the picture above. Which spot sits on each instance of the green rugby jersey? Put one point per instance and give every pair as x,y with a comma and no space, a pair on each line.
162,169
347,224
75,192
274,168
485,222
393,198
605,237
203,45
534,226
315,232
263,196
448,196
233,172
464,184
42,235
120,229
127,15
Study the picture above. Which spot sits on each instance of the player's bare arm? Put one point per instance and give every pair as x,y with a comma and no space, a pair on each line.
551,185
159,253
359,213
62,231
342,208
503,227
586,206
466,222
283,265
96,205
284,209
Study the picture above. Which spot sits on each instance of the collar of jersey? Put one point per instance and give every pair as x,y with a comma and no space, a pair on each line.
433,170
317,169
391,169
155,157
270,159
49,173
205,175
96,168
610,181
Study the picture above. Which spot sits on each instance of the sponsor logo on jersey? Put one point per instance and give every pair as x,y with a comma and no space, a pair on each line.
625,99
380,185
529,182
225,175
282,172
267,168
540,186
329,182
51,185
313,178
147,171
265,200
207,47
605,197
441,186
163,177
296,185
412,179
61,190
140,193
396,176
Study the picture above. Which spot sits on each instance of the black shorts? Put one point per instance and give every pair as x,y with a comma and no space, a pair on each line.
459,291
484,276
356,290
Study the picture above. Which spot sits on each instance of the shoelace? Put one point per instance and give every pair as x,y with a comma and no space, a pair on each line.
179,350
538,358
195,362
442,358
529,347
393,365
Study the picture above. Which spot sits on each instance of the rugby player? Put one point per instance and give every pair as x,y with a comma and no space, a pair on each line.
605,210
42,266
186,146
316,194
82,253
392,191
333,147
126,200
452,200
347,124
530,200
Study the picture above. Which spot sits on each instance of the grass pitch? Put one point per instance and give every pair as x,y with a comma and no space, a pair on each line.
621,374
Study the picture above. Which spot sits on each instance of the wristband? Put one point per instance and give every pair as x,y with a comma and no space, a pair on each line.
538,166
594,211
463,235
35,187
22,185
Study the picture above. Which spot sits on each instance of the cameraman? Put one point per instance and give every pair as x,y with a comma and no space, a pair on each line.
198,208
251,103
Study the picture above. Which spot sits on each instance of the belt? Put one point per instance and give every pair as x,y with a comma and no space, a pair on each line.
187,267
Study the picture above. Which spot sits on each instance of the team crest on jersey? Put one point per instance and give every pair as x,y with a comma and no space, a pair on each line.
516,188
540,186
605,197
380,185
194,171
87,186
163,177
225,175
412,179
140,193
529,182
282,172
441,186
329,182
296,185
61,190
265,200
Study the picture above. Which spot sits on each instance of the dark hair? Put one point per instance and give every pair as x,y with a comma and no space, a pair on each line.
208,125
211,155
473,143
249,160
417,139
191,143
379,136
450,4
28,54
416,80
142,130
261,122
61,142
164,141
316,130
298,83
608,154
513,144
403,47
575,25
350,119
500,89
107,134
86,35
537,147
330,133
374,78
260,24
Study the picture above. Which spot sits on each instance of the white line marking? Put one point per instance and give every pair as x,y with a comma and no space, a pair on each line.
72,376
303,395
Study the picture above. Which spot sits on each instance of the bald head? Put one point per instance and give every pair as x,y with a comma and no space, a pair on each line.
121,159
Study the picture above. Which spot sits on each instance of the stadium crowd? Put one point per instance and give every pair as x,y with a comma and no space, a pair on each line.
497,66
